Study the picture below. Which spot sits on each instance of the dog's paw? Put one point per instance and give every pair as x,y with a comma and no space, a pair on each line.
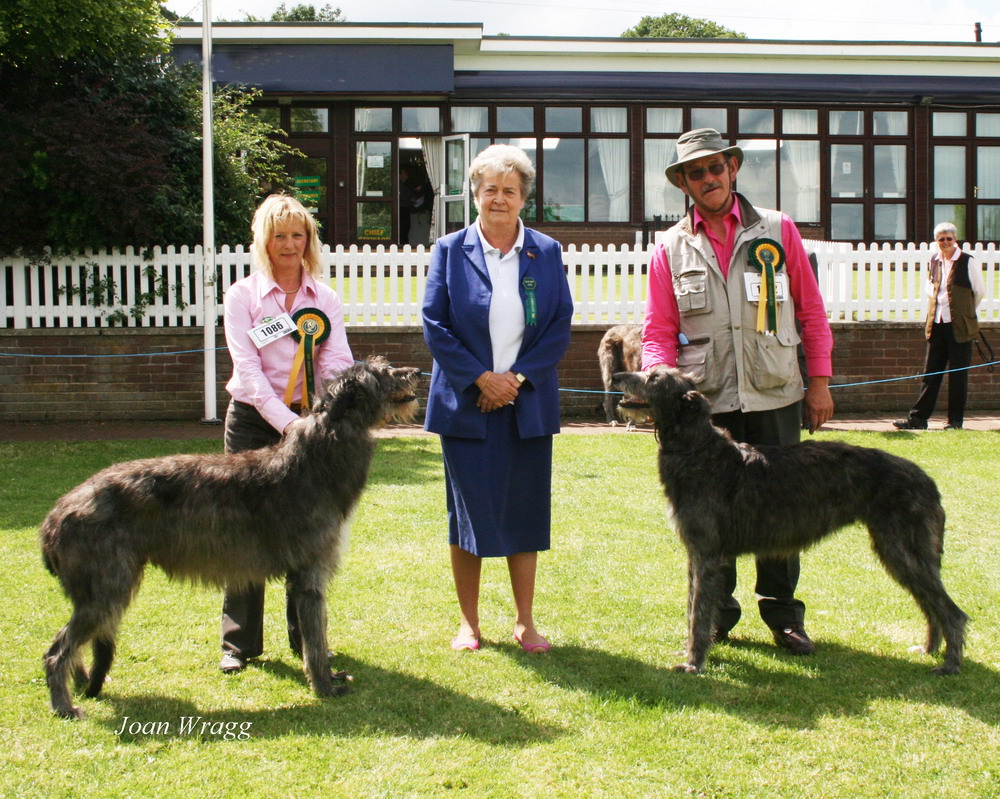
70,712
338,684
943,671
689,668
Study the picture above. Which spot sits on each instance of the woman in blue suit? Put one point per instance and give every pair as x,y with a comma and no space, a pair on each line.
497,314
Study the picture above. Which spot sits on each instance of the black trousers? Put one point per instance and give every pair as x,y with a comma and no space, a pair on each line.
776,577
943,353
243,610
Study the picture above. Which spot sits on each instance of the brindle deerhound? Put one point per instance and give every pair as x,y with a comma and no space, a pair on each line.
620,350
730,499
229,519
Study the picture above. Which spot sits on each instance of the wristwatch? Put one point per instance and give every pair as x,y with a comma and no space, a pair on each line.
520,379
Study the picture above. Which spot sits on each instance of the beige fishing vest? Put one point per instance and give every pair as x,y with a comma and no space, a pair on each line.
735,367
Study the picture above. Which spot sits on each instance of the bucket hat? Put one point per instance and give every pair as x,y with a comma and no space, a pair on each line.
697,144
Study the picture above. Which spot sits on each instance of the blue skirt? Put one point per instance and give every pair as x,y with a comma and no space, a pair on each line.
499,489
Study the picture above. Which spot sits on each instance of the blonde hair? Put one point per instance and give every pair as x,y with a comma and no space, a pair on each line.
502,159
278,210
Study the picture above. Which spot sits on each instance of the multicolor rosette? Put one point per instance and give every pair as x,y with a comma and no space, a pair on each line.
767,257
312,327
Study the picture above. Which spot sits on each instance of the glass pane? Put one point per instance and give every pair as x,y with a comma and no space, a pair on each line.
988,173
476,146
608,180
757,178
800,180
608,120
947,123
310,120
756,120
374,165
375,222
454,217
891,123
564,120
846,221
562,179
890,170
515,118
427,120
469,119
664,120
847,123
988,219
890,222
950,213
662,202
372,120
799,121
949,172
709,118
988,124
309,179
270,116
847,170
454,168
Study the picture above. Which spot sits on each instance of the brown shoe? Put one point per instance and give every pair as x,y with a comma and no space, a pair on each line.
794,639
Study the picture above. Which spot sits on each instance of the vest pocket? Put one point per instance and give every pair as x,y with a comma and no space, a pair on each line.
691,291
692,359
773,360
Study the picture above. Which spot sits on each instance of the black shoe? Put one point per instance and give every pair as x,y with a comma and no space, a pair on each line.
231,663
794,639
951,426
910,424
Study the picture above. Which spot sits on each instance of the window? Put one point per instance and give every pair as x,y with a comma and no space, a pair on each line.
421,120
709,118
310,120
373,120
945,123
756,120
469,119
563,120
515,119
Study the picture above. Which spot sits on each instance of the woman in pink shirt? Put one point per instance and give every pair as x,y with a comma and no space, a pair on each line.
267,387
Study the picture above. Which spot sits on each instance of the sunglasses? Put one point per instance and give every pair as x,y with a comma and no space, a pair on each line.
946,238
699,174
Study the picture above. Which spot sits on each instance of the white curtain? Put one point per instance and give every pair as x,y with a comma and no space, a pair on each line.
662,199
614,162
800,194
469,119
433,149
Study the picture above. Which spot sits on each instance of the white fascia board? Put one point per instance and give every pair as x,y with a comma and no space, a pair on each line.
631,55
462,35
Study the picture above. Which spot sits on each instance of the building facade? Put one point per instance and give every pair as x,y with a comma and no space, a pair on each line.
856,141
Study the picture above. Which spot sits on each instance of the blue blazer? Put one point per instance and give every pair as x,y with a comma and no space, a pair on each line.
456,313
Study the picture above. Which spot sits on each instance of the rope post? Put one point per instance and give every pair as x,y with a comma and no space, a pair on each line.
208,217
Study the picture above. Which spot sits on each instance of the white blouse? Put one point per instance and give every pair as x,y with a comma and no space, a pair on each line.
506,308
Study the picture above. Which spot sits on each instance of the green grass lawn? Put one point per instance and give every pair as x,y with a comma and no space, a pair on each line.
603,715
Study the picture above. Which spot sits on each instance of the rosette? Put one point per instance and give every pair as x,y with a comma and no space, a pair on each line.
767,257
312,327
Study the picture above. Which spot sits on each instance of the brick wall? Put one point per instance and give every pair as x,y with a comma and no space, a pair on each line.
152,385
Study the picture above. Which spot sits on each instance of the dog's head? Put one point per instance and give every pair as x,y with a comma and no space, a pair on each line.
667,395
375,392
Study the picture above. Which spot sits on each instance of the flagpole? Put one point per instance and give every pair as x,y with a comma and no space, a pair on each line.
208,217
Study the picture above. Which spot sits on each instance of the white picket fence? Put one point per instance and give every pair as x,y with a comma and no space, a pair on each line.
383,286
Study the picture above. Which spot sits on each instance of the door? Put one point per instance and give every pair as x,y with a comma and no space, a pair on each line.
454,197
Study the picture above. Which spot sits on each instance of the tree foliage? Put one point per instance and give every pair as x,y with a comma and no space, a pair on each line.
680,26
303,12
103,147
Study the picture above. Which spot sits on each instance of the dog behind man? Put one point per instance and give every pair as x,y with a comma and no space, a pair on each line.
730,499
620,350
230,519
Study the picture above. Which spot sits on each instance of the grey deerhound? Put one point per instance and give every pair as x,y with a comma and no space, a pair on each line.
620,350
729,499
229,519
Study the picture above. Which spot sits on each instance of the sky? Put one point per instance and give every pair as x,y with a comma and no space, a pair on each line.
887,20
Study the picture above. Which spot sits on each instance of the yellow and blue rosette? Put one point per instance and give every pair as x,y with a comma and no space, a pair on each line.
312,327
767,257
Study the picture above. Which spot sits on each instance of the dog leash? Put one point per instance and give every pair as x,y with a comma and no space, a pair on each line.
989,361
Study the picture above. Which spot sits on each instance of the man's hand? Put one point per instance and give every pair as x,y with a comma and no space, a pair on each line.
819,403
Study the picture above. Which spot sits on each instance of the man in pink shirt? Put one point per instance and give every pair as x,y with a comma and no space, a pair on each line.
731,295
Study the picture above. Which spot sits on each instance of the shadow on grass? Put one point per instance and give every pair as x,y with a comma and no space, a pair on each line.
759,684
381,702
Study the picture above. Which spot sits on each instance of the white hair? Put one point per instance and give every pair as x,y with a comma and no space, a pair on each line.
502,159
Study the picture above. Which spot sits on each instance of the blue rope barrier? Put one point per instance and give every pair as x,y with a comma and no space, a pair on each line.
427,374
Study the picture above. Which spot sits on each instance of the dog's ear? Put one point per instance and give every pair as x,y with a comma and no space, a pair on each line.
693,403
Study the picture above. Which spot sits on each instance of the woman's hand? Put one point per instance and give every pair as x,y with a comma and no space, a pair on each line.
496,390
